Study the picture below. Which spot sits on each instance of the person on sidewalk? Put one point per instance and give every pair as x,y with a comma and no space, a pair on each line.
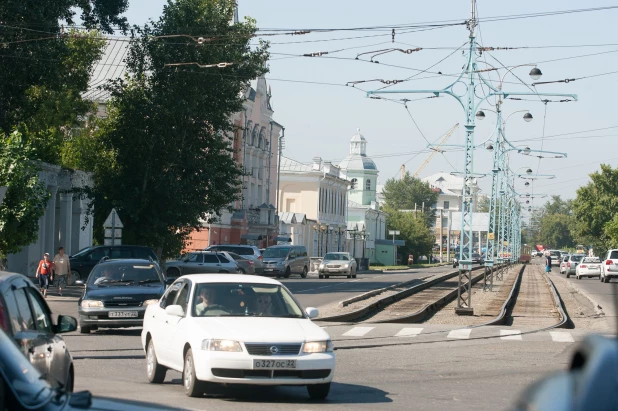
547,262
62,268
44,273
410,259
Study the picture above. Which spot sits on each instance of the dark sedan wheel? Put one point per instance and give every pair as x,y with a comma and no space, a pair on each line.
84,329
241,271
304,273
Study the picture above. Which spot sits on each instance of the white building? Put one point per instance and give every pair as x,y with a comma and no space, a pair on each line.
63,224
366,223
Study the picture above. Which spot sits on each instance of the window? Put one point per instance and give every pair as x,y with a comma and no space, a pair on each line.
98,253
354,183
368,185
194,258
446,205
4,317
170,295
211,259
41,316
222,259
121,253
23,320
183,297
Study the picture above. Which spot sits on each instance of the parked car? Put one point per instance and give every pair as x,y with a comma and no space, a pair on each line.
588,267
24,387
609,269
201,262
84,260
117,293
563,263
250,252
236,329
556,257
26,318
245,266
476,259
284,260
337,264
571,263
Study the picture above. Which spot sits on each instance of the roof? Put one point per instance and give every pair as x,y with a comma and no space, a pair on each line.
358,136
289,165
447,183
230,278
357,162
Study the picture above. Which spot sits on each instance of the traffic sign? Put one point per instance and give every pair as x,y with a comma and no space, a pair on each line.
113,229
490,236
112,220
394,232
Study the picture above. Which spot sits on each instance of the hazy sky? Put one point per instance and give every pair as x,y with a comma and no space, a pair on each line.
320,119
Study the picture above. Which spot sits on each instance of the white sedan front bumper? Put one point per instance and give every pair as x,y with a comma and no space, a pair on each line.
237,368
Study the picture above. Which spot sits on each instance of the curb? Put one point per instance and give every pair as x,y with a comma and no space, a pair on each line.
595,304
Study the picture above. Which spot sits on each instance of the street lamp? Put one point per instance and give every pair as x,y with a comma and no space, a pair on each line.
528,117
535,73
526,151
489,147
480,115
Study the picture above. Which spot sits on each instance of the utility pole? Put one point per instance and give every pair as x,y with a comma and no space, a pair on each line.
470,102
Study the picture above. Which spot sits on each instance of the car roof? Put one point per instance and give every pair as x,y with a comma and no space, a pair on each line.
126,261
338,252
230,278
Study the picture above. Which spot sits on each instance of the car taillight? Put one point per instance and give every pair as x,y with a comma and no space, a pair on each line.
609,262
260,258
250,262
568,264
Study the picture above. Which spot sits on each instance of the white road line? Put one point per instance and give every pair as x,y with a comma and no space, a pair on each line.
409,332
358,331
561,336
514,335
462,334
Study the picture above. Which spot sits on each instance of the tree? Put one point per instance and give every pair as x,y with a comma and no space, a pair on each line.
483,204
40,59
595,209
167,127
26,197
417,236
555,231
558,206
410,193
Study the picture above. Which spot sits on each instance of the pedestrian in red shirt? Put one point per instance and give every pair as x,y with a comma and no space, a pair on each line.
44,273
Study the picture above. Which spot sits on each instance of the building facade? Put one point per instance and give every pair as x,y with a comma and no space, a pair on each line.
64,222
366,227
256,144
313,204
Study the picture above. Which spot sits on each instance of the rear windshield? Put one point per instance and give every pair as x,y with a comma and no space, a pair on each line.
112,274
276,252
613,255
576,257
238,250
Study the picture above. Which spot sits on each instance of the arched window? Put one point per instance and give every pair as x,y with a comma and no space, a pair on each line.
368,185
354,183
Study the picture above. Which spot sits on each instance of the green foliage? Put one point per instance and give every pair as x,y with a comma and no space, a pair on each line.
555,231
414,231
409,193
558,206
483,204
26,197
167,127
595,209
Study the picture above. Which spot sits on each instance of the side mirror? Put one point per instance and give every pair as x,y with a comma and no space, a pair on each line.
66,324
80,282
175,310
312,312
169,280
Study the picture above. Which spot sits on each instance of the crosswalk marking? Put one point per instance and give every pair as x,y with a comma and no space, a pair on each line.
358,331
409,332
461,334
561,336
510,335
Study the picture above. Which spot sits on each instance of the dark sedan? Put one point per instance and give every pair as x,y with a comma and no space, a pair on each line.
26,318
117,293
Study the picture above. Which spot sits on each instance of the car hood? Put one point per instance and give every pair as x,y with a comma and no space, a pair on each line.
259,329
126,293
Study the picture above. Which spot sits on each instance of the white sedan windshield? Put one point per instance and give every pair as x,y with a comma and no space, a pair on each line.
244,299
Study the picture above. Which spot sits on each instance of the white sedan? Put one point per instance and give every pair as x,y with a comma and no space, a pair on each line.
588,267
236,329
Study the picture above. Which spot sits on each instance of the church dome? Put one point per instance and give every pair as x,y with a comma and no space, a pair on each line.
357,159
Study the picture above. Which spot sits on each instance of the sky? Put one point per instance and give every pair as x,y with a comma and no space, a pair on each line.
320,113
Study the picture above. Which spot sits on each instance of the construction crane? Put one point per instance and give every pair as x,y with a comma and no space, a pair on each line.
436,149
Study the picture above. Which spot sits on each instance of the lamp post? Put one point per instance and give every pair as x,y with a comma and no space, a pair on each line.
470,102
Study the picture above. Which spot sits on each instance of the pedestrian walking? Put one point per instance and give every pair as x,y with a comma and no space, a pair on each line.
62,268
547,262
410,259
44,273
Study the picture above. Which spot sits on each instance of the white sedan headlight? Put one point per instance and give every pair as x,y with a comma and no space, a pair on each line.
318,347
148,302
221,345
92,304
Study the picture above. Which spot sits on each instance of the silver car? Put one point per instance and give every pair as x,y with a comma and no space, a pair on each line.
200,262
283,260
245,266
337,264
250,252
572,263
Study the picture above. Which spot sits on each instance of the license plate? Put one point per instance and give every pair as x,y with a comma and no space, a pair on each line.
593,266
268,269
123,314
274,364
